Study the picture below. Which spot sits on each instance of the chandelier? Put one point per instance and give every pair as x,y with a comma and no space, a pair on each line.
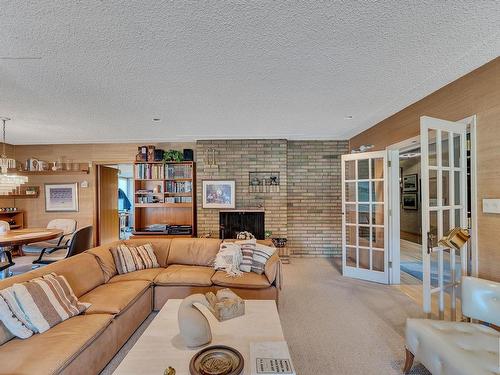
8,182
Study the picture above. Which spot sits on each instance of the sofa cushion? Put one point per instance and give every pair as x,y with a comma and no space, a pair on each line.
261,255
134,258
50,351
82,272
177,274
47,301
113,298
248,280
193,251
161,247
247,250
105,259
145,275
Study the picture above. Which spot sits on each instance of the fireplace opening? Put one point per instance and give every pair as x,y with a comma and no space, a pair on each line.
233,222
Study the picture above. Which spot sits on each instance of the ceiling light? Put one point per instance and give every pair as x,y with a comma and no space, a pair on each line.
8,182
350,117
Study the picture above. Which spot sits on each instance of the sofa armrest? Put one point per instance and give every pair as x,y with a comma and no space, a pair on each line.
272,270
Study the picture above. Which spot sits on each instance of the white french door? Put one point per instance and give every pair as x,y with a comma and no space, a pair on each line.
444,207
365,216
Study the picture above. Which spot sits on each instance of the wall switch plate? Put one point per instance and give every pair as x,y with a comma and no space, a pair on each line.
491,206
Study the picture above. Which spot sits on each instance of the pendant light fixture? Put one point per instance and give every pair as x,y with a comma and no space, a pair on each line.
8,182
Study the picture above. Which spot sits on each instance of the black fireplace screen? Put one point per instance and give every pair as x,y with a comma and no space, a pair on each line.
233,222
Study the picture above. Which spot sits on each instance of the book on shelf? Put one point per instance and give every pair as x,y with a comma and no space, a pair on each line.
149,171
178,200
173,171
179,186
149,199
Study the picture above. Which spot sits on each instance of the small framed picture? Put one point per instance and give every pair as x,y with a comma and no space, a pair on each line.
410,183
410,201
218,194
61,197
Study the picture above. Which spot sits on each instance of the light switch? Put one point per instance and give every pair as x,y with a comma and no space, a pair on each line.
491,206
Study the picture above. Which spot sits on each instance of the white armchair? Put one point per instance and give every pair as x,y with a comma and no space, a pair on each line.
459,348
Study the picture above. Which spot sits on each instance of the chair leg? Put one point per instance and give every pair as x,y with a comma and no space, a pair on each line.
408,361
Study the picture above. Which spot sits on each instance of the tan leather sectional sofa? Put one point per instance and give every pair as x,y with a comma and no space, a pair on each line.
120,303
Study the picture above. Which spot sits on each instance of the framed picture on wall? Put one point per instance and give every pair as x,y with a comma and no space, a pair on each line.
410,183
218,194
410,201
61,197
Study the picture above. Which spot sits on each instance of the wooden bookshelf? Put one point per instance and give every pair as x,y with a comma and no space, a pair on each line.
164,193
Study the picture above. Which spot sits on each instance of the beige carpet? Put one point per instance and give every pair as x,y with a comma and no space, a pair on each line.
335,325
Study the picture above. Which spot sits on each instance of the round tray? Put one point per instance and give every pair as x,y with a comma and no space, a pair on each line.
217,360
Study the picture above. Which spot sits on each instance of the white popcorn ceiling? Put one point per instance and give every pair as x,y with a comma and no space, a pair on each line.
228,69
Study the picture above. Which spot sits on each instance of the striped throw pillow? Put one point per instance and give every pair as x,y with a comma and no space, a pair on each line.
260,257
247,251
128,258
12,316
47,301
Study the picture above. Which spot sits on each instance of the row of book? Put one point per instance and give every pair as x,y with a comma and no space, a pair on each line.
179,200
178,171
149,171
179,187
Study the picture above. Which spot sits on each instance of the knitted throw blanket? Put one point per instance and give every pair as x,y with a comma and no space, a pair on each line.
229,258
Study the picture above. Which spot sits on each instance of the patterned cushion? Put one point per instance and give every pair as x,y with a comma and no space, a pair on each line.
47,301
129,259
260,256
247,251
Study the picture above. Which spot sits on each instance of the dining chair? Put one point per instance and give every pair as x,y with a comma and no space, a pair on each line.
5,252
68,226
79,242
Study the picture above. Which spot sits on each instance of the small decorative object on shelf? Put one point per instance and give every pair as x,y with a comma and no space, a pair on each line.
169,371
142,154
151,153
268,234
158,154
264,182
279,242
217,360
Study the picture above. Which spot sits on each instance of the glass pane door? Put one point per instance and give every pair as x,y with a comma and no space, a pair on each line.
364,197
444,207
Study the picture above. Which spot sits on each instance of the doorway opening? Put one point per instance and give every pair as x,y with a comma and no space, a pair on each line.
410,215
126,200
115,203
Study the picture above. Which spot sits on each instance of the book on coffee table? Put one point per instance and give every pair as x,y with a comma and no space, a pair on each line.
270,358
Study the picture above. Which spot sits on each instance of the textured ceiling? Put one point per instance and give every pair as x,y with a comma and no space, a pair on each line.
222,69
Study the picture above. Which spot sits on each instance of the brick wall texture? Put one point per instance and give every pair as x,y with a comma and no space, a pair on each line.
314,197
307,207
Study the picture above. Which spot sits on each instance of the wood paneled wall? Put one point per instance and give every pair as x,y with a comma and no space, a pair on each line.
475,93
84,153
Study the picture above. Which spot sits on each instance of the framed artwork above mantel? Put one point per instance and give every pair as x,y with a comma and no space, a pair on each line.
219,194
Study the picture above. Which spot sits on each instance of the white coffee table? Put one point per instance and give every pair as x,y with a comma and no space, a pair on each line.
161,346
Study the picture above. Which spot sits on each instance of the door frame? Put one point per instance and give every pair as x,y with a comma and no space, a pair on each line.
394,214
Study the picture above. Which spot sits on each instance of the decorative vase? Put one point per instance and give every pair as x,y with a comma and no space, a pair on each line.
193,325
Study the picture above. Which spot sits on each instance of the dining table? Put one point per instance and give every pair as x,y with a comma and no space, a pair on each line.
19,237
